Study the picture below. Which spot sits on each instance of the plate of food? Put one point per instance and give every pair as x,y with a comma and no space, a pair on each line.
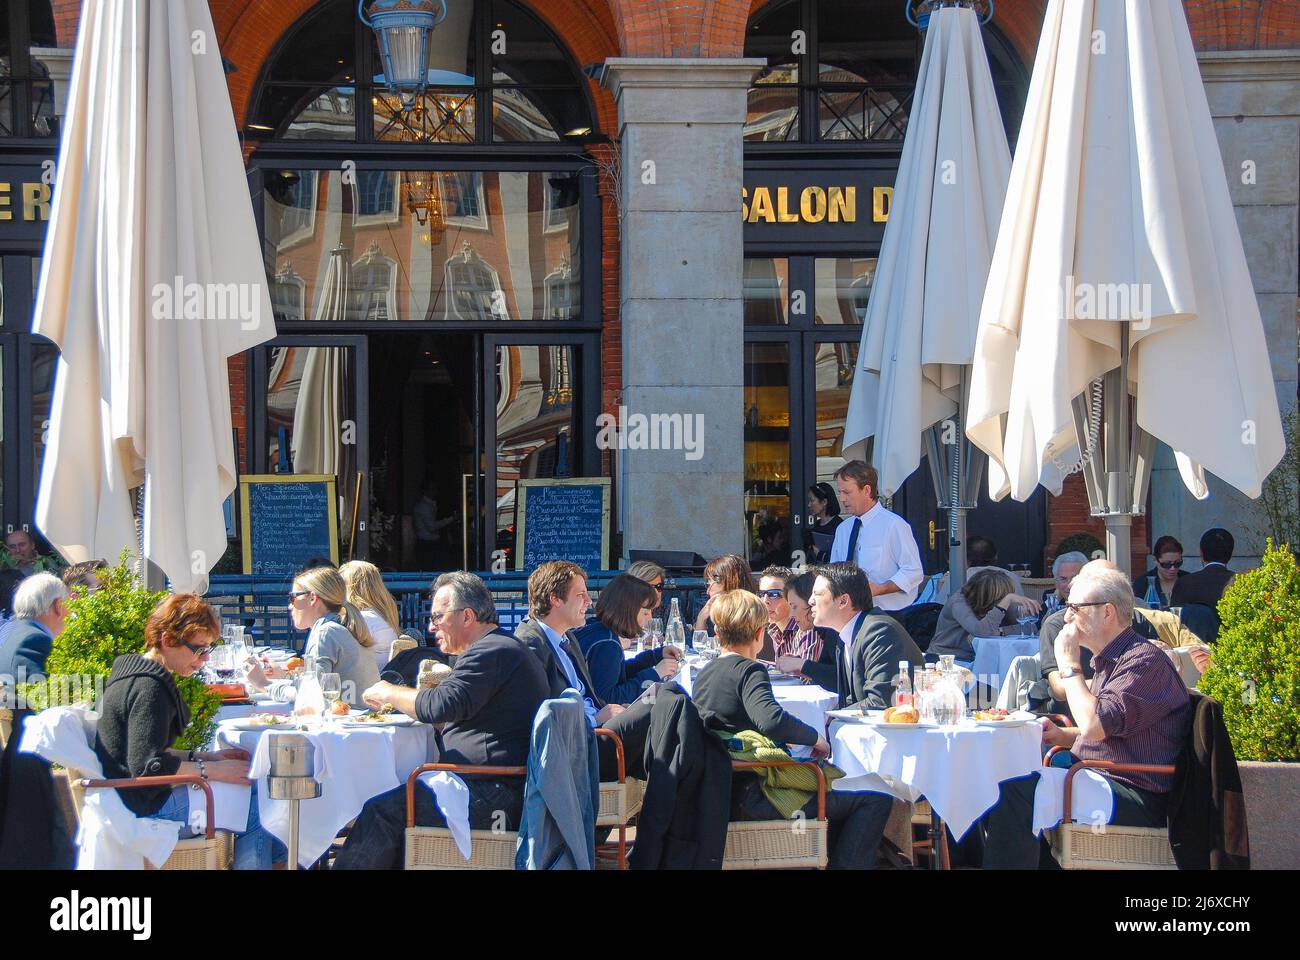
377,718
897,718
264,721
856,716
998,717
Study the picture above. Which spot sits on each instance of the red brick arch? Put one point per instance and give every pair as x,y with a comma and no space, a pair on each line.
249,29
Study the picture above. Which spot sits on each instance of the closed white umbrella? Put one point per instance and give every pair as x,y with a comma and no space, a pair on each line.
151,278
919,332
1119,256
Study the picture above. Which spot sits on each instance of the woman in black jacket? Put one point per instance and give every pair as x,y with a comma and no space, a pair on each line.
142,713
734,693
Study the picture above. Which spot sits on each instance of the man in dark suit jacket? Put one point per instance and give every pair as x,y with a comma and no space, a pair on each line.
557,606
1206,585
870,645
40,609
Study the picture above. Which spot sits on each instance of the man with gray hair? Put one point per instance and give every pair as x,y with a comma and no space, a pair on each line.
1064,569
40,609
1134,711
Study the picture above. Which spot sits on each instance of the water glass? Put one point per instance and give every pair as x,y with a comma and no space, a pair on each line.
331,688
656,633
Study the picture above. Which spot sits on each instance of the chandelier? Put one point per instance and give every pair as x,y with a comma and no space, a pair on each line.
423,201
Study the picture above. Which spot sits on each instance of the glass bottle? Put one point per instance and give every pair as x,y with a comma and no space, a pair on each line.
903,686
675,631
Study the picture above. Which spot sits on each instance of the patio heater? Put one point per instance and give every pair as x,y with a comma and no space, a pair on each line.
402,29
292,777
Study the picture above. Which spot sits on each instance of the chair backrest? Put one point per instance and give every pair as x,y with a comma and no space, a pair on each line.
920,621
402,644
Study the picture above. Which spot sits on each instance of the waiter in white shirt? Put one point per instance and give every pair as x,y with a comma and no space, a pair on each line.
879,542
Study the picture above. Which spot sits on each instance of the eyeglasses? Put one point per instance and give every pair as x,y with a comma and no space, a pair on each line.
298,593
437,618
714,578
1076,607
202,651
1171,564
771,594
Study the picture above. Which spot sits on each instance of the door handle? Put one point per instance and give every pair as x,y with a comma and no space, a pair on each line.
931,534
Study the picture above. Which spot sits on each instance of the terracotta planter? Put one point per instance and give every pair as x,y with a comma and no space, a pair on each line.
1272,799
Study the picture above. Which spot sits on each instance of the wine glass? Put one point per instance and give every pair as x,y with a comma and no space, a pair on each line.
700,643
656,633
221,663
331,688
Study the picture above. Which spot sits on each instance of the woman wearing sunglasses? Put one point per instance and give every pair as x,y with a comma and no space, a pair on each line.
142,713
1169,567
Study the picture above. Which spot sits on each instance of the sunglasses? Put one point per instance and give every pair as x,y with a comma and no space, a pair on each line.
1076,607
203,651
1171,564
298,593
771,594
658,587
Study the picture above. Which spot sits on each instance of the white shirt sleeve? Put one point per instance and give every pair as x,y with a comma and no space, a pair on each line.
840,545
907,556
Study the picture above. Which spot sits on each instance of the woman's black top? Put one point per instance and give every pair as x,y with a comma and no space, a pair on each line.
141,713
827,527
734,693
1142,584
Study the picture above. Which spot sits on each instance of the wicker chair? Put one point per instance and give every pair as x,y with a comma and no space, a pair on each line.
1080,846
778,844
215,850
401,645
432,848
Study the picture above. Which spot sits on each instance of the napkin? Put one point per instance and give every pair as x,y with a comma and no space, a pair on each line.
452,796
261,765
1092,797
230,803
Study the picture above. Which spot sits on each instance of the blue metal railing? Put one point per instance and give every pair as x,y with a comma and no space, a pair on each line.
261,604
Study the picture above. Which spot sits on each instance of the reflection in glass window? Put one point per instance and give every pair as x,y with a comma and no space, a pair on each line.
766,291
767,452
843,289
461,245
440,116
536,416
833,370
45,358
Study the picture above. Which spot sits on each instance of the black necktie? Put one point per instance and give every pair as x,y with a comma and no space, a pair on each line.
853,540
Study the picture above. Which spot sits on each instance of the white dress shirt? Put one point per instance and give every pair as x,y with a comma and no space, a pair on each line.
886,551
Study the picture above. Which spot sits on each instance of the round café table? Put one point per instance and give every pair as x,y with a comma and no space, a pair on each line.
352,765
957,768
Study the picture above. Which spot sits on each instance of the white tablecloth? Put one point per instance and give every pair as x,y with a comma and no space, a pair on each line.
993,656
353,765
957,768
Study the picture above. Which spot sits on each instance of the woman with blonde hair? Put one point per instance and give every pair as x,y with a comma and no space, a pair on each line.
980,609
339,638
366,592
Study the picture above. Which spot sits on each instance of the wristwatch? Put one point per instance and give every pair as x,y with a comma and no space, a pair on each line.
1069,672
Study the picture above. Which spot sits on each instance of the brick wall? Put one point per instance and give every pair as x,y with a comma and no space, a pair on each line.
1069,513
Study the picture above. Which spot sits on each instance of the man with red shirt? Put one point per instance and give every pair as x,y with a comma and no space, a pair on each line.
1135,710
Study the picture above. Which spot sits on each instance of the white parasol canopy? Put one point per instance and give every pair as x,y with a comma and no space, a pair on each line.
151,278
1119,254
919,332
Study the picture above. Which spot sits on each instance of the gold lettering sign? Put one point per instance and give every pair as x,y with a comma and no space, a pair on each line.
882,201
814,205
35,200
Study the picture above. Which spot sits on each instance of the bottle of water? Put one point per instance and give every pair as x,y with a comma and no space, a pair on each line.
675,631
903,688
1152,599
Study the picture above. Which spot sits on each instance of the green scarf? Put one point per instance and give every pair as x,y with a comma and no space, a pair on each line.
786,788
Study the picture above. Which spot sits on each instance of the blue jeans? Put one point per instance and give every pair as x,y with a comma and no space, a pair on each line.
255,849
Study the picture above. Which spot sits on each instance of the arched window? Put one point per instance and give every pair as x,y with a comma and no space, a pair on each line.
497,74
474,288
372,288
845,71
288,295
26,90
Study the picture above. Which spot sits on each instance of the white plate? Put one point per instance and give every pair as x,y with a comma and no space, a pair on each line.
897,726
245,723
396,720
1003,723
779,679
854,716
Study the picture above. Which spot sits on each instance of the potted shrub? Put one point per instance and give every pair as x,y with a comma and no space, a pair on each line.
101,627
1255,674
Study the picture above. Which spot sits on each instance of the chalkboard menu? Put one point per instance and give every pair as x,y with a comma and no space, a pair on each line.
287,520
563,520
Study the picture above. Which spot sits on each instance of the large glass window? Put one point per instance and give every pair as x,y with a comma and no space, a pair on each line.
420,246
26,91
843,289
767,452
497,74
845,71
536,425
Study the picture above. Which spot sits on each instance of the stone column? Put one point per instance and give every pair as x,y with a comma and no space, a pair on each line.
680,129
1254,98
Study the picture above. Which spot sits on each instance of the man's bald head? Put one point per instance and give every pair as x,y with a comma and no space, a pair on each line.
1094,566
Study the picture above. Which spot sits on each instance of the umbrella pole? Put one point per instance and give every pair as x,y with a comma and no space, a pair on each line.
1119,482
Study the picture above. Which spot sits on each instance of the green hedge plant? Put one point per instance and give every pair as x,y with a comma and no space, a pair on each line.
1255,671
101,627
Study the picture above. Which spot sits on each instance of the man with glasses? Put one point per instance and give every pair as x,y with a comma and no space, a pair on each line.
1134,711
